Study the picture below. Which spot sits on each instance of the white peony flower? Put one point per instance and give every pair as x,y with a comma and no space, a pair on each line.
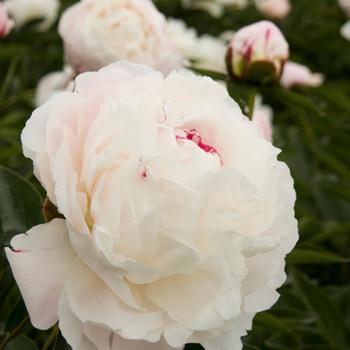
178,215
259,43
205,51
274,8
24,11
262,116
296,74
53,83
6,23
345,30
99,32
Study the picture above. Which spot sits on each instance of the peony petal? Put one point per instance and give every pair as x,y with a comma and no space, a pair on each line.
93,302
72,328
228,341
40,261
120,343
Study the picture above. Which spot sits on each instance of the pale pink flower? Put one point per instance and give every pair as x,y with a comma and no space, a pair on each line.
177,214
296,74
99,32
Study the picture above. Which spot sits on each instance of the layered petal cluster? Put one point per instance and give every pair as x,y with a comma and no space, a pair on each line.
259,46
24,11
6,23
99,32
178,215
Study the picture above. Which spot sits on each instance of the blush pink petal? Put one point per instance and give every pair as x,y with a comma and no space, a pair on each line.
296,74
40,260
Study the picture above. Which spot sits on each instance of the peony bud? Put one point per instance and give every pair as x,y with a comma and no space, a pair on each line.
274,8
6,23
257,53
296,74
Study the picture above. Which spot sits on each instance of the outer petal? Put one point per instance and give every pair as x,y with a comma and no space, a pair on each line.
72,328
40,261
84,287
120,343
229,341
83,336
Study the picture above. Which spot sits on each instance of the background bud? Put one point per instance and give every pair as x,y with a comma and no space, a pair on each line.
257,53
274,8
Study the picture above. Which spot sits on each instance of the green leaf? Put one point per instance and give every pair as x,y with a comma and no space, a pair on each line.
330,320
276,324
21,343
250,347
308,256
20,205
292,99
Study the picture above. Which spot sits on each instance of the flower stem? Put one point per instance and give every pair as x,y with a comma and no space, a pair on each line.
251,104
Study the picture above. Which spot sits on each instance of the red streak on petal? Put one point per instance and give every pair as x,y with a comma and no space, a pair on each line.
247,49
267,36
194,136
17,250
144,173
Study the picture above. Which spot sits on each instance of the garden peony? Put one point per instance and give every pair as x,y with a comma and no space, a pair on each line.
295,74
257,51
24,11
6,23
99,32
177,214
274,8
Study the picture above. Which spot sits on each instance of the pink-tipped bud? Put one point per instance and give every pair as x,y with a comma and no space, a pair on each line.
257,52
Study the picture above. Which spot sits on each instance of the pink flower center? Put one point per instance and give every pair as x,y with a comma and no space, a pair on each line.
194,136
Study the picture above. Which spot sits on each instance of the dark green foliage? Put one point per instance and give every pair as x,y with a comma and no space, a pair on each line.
312,127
